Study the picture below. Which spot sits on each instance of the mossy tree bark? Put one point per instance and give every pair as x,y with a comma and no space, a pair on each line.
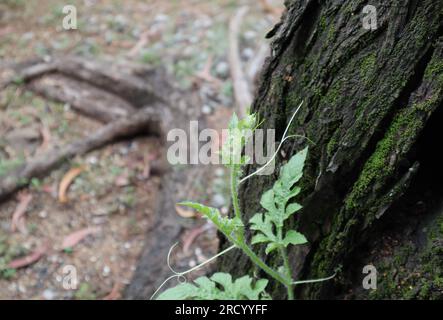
373,107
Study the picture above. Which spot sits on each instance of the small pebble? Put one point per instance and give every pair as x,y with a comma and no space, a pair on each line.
161,18
222,69
206,109
192,263
48,294
21,288
219,172
106,271
43,214
250,35
92,160
218,200
248,53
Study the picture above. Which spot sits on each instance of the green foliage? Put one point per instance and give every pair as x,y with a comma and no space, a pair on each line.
6,166
8,273
36,183
269,226
219,287
85,292
225,225
8,252
238,133
275,201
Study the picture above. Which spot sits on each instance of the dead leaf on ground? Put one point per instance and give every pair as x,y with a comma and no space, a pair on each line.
122,180
192,235
184,213
66,182
50,189
115,292
77,236
29,259
46,138
18,217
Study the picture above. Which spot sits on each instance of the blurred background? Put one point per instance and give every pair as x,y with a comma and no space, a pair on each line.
94,211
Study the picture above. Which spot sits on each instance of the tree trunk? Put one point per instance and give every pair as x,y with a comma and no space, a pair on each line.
372,184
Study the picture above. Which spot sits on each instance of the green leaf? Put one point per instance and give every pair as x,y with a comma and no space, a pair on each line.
291,209
224,279
219,287
239,132
294,237
233,123
181,292
271,247
269,226
267,201
262,223
205,284
293,170
224,224
259,238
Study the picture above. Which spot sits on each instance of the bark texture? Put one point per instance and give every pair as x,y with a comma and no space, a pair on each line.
372,105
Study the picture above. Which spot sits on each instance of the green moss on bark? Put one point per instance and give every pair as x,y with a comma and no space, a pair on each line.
414,272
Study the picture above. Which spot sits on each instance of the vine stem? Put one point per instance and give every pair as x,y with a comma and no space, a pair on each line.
234,186
287,266
241,244
284,138
234,196
183,273
261,264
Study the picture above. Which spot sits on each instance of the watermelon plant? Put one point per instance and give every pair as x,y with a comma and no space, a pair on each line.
267,227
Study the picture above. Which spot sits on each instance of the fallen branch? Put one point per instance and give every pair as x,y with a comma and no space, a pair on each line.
82,97
242,93
133,89
257,62
145,121
27,74
101,74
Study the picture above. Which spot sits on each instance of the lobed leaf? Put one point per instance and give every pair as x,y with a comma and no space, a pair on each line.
219,287
269,226
224,224
239,131
292,172
262,223
294,237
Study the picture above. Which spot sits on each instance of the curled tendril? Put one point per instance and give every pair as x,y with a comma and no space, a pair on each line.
180,276
284,138
168,259
314,280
